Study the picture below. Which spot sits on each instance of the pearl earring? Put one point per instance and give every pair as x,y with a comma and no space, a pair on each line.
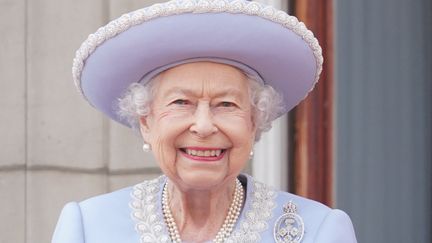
146,147
251,154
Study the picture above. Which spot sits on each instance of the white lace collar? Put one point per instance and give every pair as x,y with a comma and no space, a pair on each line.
150,225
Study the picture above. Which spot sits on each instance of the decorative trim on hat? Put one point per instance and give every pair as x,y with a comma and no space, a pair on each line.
176,7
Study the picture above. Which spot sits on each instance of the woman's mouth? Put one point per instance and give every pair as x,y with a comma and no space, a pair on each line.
203,154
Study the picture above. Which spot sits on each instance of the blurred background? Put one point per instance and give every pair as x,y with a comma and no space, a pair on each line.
360,142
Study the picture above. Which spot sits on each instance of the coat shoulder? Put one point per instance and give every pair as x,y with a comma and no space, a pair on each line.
104,201
304,205
109,213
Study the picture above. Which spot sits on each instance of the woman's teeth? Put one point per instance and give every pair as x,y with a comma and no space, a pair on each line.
204,153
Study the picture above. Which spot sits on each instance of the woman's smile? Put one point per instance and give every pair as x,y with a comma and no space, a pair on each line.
203,154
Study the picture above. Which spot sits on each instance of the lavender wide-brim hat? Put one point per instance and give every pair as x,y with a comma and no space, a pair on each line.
255,38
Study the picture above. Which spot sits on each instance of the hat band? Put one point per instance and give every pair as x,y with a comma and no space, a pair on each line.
248,70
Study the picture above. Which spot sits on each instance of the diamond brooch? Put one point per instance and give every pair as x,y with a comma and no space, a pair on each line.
289,227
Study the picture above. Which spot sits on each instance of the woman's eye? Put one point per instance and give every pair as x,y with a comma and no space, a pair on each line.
226,104
180,102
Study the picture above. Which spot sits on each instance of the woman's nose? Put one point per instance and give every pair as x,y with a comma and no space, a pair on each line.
203,125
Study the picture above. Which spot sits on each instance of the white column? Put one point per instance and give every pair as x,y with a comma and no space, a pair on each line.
270,161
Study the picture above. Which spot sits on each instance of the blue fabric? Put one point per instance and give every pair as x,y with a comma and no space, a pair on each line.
107,219
69,227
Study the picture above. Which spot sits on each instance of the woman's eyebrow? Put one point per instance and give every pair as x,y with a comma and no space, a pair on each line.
179,91
237,94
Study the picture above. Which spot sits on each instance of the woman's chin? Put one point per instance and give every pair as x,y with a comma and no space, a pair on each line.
202,180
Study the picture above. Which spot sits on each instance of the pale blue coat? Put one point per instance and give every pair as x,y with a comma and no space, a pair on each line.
134,215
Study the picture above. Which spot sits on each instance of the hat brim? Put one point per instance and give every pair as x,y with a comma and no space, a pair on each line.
280,56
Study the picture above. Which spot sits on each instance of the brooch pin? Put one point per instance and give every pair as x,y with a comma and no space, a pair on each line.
289,227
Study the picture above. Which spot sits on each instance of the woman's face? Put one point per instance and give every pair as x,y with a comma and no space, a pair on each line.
200,127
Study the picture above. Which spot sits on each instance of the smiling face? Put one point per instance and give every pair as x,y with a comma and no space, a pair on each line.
200,127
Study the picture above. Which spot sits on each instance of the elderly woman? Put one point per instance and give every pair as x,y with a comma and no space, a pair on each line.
198,79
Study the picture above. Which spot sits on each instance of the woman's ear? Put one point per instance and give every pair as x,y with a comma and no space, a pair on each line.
254,125
254,130
144,128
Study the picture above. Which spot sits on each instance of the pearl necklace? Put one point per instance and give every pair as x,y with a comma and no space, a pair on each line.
224,231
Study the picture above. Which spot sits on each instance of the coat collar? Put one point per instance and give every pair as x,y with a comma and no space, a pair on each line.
257,211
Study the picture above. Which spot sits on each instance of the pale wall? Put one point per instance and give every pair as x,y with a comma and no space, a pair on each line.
55,148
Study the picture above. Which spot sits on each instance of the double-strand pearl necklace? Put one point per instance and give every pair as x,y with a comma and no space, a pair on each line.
224,231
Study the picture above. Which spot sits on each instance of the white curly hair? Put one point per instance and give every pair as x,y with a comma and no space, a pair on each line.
267,103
